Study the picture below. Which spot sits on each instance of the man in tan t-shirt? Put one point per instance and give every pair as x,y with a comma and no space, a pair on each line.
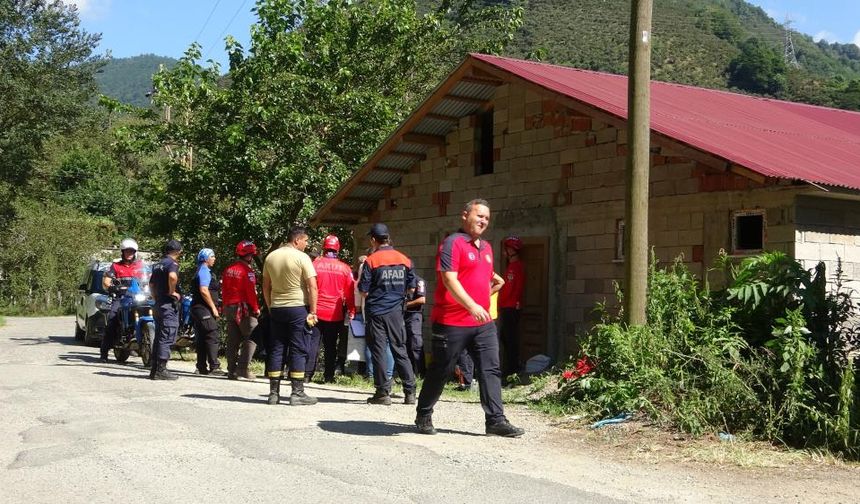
290,292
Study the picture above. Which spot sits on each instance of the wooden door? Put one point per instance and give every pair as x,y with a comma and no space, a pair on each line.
533,318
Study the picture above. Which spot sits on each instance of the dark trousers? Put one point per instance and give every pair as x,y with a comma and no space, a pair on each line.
111,329
387,330
334,334
166,328
415,340
467,367
289,338
509,335
207,338
483,346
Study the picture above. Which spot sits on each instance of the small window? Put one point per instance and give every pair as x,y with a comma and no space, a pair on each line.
748,228
484,143
619,240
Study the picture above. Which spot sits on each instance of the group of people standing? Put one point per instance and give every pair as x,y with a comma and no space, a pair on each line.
312,300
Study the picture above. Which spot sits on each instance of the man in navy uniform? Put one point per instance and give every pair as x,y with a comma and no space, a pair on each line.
163,283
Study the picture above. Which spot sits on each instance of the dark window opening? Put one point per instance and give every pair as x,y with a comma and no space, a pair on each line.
484,143
748,231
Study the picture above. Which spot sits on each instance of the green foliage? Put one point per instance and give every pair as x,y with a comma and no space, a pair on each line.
42,254
319,88
46,80
758,69
702,364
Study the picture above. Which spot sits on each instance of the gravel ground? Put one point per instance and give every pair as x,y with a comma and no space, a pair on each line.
76,430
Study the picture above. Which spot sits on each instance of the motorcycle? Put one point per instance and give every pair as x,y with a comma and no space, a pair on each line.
136,322
185,336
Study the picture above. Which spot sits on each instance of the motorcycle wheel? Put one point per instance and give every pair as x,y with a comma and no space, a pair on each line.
147,341
121,354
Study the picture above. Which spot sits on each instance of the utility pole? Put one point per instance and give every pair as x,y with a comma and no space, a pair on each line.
788,45
638,163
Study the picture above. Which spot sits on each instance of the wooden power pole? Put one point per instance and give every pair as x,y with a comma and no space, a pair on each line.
638,163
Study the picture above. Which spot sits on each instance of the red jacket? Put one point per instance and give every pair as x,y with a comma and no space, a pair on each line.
511,295
239,285
336,289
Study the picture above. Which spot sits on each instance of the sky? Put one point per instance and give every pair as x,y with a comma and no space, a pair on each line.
168,27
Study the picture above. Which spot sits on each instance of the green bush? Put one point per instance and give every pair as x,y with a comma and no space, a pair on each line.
765,359
42,256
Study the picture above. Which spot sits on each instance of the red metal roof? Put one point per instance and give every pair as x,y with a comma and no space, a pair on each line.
771,137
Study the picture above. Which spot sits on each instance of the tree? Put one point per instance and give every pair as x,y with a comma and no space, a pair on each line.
321,86
758,69
46,80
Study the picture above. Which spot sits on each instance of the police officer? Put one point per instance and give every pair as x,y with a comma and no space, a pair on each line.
386,279
290,292
242,310
414,320
163,283
204,312
336,300
118,275
461,319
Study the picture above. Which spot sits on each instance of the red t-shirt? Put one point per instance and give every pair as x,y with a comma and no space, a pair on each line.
336,289
474,267
239,285
511,295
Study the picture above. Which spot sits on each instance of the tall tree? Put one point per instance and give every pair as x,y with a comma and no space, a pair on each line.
46,79
320,86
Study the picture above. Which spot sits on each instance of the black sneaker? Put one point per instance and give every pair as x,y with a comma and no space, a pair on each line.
504,428
425,424
274,398
217,372
163,374
380,398
410,398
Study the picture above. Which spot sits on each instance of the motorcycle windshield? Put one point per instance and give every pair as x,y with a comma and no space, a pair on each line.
140,283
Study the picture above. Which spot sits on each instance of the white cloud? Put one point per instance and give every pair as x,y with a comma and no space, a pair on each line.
825,35
857,39
90,9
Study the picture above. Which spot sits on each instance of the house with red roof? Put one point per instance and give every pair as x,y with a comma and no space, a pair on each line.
546,146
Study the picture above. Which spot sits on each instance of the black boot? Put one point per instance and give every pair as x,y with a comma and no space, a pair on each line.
298,396
161,372
274,391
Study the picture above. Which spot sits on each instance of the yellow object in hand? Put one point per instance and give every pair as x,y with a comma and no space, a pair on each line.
311,320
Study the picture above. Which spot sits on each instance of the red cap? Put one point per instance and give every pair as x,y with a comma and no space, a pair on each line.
513,242
331,243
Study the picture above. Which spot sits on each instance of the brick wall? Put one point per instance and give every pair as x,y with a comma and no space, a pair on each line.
829,230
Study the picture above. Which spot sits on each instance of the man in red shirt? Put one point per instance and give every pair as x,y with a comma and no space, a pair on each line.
461,319
336,297
119,274
241,309
510,304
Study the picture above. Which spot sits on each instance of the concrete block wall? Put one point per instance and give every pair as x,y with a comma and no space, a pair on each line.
829,230
559,173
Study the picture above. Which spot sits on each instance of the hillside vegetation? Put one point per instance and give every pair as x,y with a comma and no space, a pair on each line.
130,79
723,44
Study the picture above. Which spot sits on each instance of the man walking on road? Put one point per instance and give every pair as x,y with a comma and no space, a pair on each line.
386,281
163,283
460,317
290,292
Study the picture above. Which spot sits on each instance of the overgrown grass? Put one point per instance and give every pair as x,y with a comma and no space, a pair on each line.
768,362
2,321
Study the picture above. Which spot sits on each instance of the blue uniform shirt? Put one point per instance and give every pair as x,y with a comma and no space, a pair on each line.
160,273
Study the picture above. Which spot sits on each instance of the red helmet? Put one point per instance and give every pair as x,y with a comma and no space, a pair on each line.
331,243
246,247
513,242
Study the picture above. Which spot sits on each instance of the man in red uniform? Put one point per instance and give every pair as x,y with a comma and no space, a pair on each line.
461,319
510,304
119,275
336,296
241,308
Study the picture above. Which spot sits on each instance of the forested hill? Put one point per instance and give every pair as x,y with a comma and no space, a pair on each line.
708,43
130,79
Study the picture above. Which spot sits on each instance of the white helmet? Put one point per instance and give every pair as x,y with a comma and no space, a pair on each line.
128,243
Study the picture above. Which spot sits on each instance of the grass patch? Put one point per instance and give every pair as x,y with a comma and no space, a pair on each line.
2,321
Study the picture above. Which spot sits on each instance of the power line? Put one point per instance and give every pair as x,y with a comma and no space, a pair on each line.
226,28
205,23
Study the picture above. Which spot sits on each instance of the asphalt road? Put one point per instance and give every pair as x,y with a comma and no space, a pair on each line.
75,430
